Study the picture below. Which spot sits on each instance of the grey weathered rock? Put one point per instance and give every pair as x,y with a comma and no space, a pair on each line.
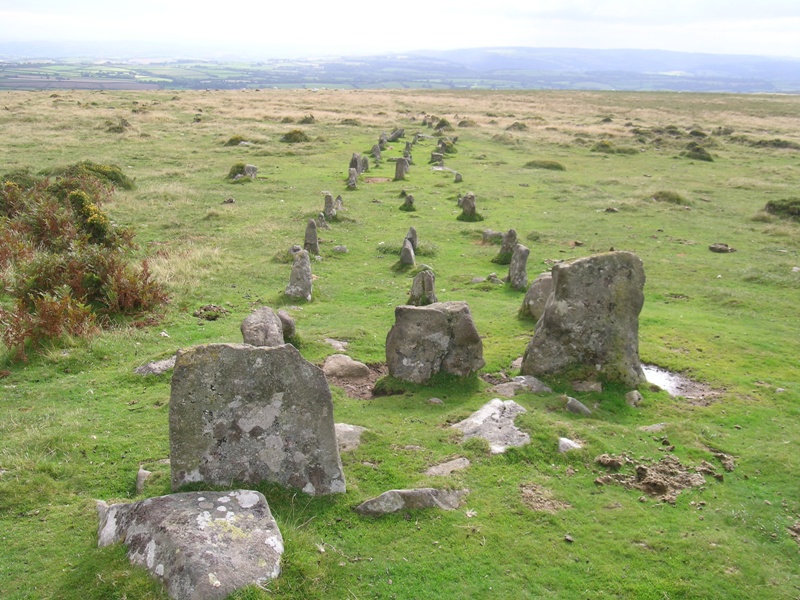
383,140
288,325
491,237
142,475
330,210
590,324
344,367
352,179
467,204
311,240
250,171
408,204
300,281
437,157
655,428
396,500
348,436
355,162
340,249
396,135
566,444
338,203
436,401
252,414
364,164
339,345
633,398
518,269
376,153
577,407
587,386
157,367
494,422
201,545
536,296
507,247
423,289
400,169
407,253
412,233
458,178
322,222
426,340
521,384
721,248
262,327
446,468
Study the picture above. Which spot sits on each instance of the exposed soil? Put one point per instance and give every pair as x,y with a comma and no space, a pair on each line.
794,531
541,499
361,388
665,479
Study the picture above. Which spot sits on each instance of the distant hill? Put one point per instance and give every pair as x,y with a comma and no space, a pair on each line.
30,66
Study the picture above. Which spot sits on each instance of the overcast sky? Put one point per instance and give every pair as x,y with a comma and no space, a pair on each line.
312,27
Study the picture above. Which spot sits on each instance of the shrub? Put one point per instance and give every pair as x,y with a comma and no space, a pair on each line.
235,140
295,136
669,197
443,125
307,120
551,165
22,177
108,174
467,123
447,147
287,120
788,208
118,126
517,126
697,152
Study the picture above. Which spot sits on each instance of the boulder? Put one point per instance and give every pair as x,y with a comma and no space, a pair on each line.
426,340
423,289
352,179
252,414
262,327
201,545
311,240
518,269
590,323
250,171
494,422
396,500
329,211
634,398
467,204
300,281
577,407
566,444
344,367
536,296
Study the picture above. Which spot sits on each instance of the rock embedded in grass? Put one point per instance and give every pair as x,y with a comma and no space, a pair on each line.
494,422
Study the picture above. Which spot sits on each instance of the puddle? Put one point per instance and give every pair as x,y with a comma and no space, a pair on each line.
676,384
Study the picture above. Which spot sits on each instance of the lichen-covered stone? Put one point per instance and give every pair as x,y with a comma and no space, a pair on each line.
249,414
396,500
423,289
518,269
201,545
590,324
262,327
300,281
494,422
536,296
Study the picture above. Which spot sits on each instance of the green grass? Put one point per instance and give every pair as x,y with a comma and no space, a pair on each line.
75,423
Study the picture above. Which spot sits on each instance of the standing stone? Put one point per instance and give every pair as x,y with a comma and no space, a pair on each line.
288,324
409,147
423,289
355,162
467,204
262,327
352,179
517,270
338,203
412,235
200,545
376,153
364,164
396,135
437,157
329,211
506,248
311,241
322,222
400,169
537,295
300,281
458,178
250,171
382,141
252,414
426,340
408,204
590,324
407,253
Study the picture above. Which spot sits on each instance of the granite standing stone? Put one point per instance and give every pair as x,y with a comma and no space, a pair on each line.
537,295
300,281
262,327
412,232
423,289
407,253
311,241
518,269
250,414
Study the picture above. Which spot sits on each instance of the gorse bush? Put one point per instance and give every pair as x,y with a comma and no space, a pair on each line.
108,174
65,268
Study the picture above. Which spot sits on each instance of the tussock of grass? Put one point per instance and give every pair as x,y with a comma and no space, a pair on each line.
550,165
606,147
669,197
788,208
295,136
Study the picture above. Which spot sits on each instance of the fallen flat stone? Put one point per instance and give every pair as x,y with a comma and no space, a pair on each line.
339,345
157,367
396,500
494,422
348,437
344,367
566,444
577,407
201,545
656,428
520,385
446,468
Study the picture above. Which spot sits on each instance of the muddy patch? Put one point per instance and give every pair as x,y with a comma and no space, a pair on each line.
541,499
663,480
361,388
675,384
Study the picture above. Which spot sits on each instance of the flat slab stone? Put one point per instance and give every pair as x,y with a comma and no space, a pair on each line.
251,414
201,545
446,468
520,385
396,500
348,436
494,422
157,367
566,444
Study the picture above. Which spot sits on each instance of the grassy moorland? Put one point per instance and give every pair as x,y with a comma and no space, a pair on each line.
76,423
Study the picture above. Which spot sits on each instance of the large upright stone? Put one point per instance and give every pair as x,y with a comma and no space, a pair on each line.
300,281
376,153
201,545
467,204
407,256
423,289
518,269
412,232
426,340
262,327
590,324
506,248
400,169
537,295
352,179
330,209
311,240
355,162
249,414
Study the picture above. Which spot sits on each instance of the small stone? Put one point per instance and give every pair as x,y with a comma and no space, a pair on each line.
494,422
340,249
566,444
721,248
157,367
653,428
348,437
633,398
396,500
577,407
569,539
446,468
344,367
435,401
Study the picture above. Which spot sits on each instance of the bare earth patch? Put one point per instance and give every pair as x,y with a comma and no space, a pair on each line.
361,388
541,499
665,479
794,531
